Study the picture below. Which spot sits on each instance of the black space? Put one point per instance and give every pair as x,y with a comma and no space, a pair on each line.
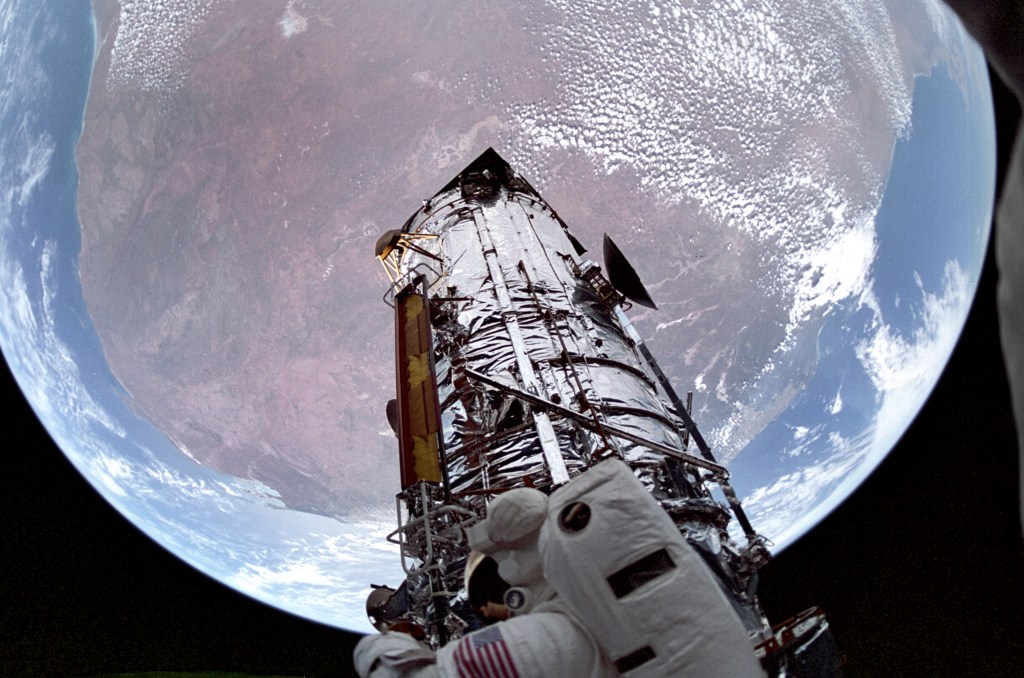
920,571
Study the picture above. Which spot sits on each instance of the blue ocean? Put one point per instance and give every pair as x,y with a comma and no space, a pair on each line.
940,180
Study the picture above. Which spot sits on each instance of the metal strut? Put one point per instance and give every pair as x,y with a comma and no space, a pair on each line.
690,426
720,472
585,403
545,431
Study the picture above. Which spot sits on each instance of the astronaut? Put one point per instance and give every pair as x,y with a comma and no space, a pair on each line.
541,638
659,613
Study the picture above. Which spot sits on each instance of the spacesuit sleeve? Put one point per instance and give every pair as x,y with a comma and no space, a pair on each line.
539,644
393,655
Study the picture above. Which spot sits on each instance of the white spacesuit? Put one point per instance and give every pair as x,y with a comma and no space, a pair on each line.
541,639
556,633
618,562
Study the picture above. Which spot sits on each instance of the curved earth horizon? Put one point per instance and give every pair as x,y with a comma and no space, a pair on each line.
191,304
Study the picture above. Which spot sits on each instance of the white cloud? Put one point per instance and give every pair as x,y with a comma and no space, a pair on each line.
257,579
34,167
41,362
836,270
795,502
904,369
837,404
110,472
324,575
150,51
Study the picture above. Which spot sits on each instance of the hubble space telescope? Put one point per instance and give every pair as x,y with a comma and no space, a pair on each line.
517,366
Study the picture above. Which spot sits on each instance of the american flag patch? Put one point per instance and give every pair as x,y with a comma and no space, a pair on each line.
484,654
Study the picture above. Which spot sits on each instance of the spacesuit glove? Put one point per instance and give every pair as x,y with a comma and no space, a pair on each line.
391,655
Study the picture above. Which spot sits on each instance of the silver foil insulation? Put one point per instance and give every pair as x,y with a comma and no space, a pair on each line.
538,372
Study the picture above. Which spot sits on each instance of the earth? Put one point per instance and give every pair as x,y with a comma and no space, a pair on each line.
192,191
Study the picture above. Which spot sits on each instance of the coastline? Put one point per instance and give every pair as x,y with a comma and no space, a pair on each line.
104,18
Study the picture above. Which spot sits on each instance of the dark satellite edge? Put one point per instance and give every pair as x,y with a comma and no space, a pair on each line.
623,276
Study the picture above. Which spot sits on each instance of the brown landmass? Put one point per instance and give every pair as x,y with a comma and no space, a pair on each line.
228,229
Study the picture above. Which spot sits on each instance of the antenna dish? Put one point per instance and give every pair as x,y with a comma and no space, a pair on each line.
391,410
622,275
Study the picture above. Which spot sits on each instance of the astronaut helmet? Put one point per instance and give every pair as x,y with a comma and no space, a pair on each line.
485,589
509,535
